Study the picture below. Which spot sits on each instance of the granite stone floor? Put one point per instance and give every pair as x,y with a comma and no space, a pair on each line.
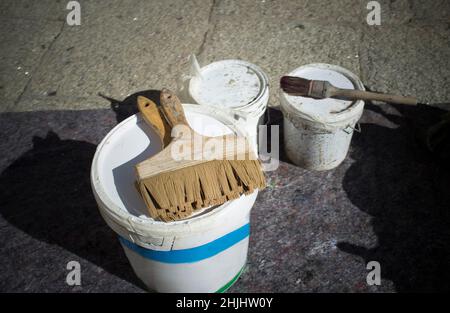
311,231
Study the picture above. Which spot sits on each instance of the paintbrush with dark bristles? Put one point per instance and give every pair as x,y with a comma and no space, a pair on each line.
319,89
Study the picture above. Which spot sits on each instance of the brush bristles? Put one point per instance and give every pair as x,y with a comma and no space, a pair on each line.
295,85
176,195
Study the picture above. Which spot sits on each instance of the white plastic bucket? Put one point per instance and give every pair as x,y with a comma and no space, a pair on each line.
205,253
238,87
317,133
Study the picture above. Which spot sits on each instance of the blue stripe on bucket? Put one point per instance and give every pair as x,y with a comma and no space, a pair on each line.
192,254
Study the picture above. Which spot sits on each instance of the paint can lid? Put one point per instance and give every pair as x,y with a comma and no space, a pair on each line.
324,111
229,84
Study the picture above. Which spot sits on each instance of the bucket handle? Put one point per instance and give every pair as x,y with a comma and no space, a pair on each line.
145,241
151,242
357,128
195,67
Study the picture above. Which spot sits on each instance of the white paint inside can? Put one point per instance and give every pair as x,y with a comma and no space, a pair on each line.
317,133
120,204
237,87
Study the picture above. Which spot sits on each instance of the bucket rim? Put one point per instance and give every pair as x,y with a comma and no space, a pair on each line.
256,111
125,218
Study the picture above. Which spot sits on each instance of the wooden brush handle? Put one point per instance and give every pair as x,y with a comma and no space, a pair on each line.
172,108
153,118
366,95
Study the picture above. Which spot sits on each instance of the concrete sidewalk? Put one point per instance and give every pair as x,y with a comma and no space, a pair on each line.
126,46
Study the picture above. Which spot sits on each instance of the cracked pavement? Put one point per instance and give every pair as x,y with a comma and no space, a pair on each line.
124,47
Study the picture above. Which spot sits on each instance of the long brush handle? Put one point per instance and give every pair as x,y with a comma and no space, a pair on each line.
172,108
367,95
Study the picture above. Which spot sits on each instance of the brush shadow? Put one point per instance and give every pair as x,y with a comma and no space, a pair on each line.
124,175
46,193
405,188
128,106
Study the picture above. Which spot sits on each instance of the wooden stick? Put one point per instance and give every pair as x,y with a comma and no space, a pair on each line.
367,95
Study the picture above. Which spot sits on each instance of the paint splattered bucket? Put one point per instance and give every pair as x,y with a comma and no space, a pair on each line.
317,133
237,87
205,253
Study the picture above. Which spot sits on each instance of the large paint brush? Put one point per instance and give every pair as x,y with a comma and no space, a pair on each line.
319,89
172,187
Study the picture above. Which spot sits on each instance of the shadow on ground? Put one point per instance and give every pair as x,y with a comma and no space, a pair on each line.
46,191
127,107
406,189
